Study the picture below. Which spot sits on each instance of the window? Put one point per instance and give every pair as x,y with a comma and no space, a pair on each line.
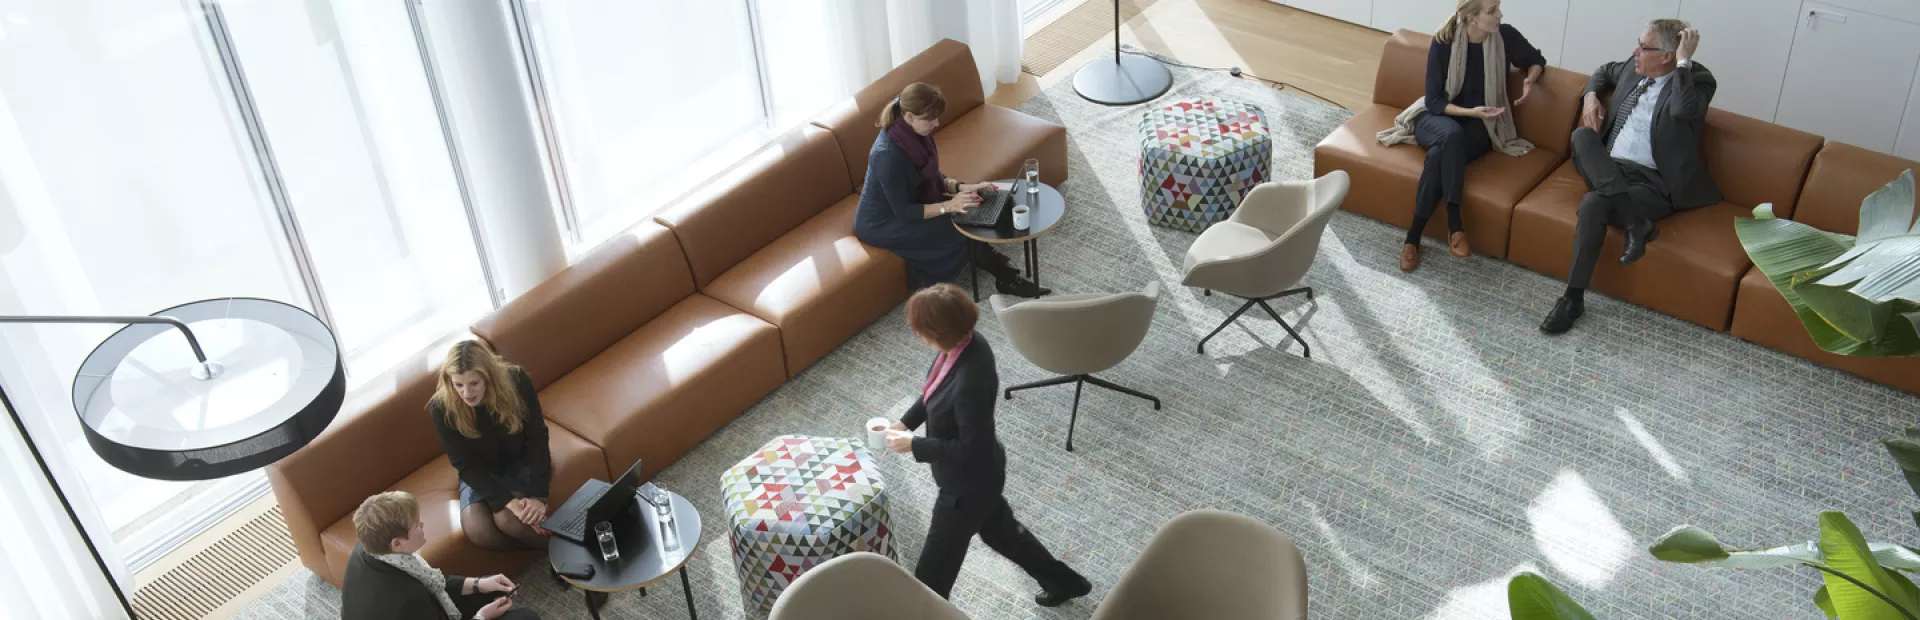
132,179
650,97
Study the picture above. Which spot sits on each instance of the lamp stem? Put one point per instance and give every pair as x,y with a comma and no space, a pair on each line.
77,527
124,320
1116,32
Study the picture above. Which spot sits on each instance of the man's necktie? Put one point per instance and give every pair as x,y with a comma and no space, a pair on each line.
1626,110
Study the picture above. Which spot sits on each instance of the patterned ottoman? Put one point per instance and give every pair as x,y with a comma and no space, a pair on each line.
1198,158
800,501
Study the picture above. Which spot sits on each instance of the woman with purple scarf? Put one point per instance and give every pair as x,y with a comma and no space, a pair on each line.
904,205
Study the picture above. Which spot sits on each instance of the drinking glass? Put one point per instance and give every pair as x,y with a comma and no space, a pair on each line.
608,550
1032,170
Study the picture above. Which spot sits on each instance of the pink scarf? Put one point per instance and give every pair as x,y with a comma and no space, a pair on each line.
941,365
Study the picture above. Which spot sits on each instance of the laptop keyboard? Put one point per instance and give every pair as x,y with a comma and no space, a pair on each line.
987,213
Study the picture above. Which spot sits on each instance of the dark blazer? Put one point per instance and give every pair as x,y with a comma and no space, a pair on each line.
481,460
961,444
1677,126
375,590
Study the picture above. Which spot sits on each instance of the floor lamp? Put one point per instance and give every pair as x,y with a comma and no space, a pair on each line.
1127,79
273,381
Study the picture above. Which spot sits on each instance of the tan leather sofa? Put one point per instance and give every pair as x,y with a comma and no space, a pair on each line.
1384,178
1842,176
659,337
1697,271
1693,270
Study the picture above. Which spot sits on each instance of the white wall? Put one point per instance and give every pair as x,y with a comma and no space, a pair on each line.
1852,81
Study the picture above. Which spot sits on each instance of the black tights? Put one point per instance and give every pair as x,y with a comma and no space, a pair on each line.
1451,144
499,531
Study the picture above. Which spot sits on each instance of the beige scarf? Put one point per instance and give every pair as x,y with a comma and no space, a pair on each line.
1494,51
432,578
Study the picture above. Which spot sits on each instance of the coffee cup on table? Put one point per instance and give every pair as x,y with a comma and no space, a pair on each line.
877,434
1021,217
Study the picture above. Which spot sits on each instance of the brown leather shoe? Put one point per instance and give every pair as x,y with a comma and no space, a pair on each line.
1457,245
1409,257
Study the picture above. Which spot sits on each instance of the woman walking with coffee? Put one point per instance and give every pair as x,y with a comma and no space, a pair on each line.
969,464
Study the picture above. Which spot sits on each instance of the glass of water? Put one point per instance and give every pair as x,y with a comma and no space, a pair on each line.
609,551
1032,170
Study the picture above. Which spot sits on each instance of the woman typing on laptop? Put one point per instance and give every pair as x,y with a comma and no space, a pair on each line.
488,418
906,200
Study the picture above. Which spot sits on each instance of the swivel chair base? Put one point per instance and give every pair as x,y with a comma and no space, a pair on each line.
1078,381
1305,351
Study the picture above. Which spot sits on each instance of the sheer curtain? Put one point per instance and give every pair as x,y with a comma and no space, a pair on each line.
992,29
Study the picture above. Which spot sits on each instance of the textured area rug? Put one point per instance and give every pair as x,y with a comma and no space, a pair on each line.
1435,444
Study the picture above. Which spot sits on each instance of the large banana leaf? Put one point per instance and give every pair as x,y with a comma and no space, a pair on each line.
1532,597
1855,296
1847,554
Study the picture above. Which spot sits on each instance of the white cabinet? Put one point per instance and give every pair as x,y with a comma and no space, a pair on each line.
1850,76
1350,11
1745,43
1602,31
1543,23
1423,16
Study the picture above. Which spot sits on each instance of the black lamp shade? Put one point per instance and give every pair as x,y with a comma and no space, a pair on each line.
280,383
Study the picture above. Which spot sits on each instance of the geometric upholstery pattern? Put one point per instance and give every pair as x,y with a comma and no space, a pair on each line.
797,502
1198,157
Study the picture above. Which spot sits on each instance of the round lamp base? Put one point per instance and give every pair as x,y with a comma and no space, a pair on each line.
1131,80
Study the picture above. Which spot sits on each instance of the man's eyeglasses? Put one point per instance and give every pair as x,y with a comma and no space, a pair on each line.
1652,50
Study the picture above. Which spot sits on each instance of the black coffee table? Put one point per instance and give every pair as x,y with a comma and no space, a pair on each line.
644,558
1051,209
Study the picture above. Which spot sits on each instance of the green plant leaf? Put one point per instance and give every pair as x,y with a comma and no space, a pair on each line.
1847,553
1884,263
1687,544
1532,597
1806,553
1895,556
1802,261
1824,602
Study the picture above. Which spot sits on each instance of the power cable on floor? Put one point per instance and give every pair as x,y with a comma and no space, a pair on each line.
1237,72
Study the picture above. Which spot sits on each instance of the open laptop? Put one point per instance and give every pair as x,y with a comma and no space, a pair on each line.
596,501
993,205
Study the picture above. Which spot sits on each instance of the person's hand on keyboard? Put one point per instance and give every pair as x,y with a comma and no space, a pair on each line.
961,202
979,188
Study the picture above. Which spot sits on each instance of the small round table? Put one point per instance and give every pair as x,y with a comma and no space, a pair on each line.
1041,219
648,553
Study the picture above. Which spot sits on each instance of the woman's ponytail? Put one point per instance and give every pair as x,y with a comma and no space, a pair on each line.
1466,8
921,99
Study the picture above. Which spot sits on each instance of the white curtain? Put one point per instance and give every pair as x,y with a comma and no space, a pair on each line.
885,33
48,572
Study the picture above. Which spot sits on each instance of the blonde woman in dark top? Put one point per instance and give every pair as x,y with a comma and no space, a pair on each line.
489,421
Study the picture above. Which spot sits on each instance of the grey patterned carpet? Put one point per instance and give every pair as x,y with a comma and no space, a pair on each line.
1435,445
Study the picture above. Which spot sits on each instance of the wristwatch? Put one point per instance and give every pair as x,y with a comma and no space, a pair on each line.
1685,64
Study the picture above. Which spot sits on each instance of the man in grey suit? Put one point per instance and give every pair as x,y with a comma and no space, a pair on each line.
1639,153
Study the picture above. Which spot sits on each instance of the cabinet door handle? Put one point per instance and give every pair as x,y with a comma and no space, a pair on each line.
1814,16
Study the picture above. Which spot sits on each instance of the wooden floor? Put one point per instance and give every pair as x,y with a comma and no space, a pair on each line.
1331,58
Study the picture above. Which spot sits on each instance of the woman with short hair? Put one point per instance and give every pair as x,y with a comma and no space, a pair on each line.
488,418
906,200
969,464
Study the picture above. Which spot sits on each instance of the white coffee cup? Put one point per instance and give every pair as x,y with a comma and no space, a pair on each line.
1020,217
877,434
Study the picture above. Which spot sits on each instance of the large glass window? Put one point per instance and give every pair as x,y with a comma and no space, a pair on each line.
344,99
126,186
132,181
650,97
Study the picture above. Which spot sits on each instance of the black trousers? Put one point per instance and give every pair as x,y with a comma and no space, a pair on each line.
993,262
470,604
957,517
1451,142
1619,193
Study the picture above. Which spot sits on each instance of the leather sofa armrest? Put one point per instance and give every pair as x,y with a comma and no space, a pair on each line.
382,435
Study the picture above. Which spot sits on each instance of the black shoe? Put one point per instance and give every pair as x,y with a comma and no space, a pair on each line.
1048,598
1561,318
1637,240
1019,287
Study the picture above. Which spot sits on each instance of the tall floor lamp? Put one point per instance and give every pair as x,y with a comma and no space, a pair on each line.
263,379
1124,80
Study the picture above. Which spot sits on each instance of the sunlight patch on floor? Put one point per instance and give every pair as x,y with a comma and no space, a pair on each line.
1652,444
1480,601
1577,533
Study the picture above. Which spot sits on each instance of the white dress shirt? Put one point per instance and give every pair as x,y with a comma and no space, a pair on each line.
1635,142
